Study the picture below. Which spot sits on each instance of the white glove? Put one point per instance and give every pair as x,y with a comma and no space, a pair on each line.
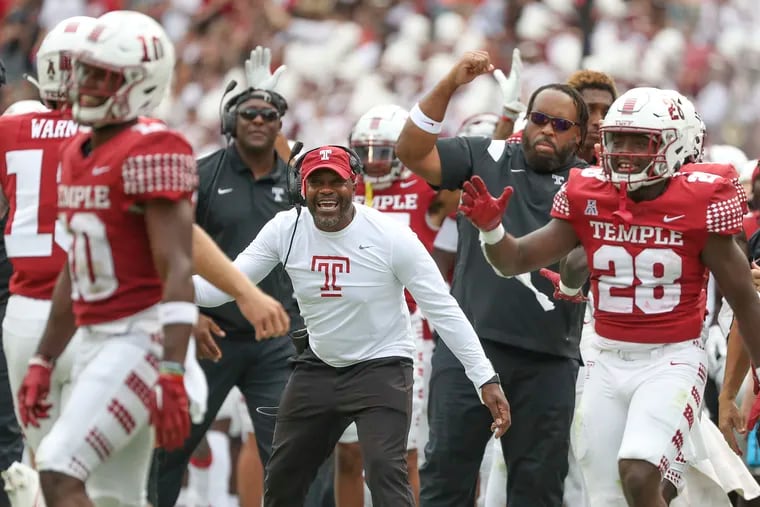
716,348
257,71
510,86
22,485
196,386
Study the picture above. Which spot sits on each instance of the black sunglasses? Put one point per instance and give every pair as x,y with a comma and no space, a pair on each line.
558,124
266,113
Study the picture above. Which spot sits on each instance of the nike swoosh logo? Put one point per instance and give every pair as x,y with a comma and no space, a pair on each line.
223,191
407,184
667,219
100,170
674,363
362,247
517,170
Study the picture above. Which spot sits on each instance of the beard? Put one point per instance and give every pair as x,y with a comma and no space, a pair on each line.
326,223
544,162
330,221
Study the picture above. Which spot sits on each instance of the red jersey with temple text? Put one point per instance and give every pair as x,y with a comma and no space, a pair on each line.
646,274
36,246
408,200
101,200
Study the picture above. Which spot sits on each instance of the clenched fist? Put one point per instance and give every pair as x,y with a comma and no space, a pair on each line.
470,65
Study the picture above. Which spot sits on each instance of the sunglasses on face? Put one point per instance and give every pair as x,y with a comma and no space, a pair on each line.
266,113
558,124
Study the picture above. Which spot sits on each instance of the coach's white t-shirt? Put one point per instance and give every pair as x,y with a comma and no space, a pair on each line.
350,288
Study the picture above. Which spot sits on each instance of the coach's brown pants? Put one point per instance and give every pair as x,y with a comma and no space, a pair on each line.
318,404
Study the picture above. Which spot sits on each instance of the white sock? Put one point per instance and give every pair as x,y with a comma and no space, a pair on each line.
220,470
198,483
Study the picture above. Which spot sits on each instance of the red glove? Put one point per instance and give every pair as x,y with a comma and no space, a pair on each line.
34,391
754,414
171,415
553,277
483,210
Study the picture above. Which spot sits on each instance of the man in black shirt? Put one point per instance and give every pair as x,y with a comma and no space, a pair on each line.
535,351
241,188
11,440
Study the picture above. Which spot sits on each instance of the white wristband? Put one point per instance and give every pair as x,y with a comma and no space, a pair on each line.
424,122
568,291
493,236
177,312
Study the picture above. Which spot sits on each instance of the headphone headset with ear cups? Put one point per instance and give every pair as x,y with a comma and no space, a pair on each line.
293,182
229,116
294,190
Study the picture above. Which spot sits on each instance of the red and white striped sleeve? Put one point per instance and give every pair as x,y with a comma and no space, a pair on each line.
160,166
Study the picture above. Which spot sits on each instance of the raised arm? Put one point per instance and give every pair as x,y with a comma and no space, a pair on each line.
416,145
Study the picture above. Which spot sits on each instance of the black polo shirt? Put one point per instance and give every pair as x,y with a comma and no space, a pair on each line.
6,269
753,247
503,309
233,212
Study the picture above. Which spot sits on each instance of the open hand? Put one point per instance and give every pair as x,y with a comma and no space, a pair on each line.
510,86
730,420
480,207
257,71
204,332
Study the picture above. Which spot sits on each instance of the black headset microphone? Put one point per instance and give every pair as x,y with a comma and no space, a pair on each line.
230,86
293,188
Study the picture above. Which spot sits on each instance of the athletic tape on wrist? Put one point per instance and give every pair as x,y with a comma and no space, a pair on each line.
38,360
424,122
177,312
493,236
171,368
568,291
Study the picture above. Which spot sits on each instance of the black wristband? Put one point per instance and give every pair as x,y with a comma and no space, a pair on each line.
493,380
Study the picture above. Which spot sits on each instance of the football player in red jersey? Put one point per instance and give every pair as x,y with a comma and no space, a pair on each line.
31,140
388,186
650,234
125,198
720,471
